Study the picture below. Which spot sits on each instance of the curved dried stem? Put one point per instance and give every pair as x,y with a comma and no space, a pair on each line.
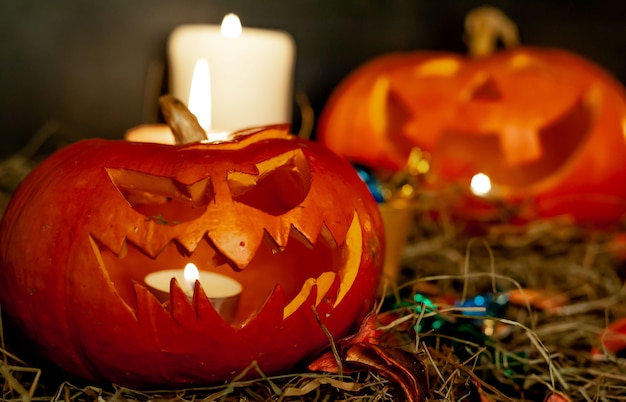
485,26
183,123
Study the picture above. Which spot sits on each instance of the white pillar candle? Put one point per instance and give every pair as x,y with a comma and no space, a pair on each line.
251,74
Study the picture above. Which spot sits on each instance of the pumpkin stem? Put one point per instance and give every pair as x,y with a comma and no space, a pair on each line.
183,123
484,26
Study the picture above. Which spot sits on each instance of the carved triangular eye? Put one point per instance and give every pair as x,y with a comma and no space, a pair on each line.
487,90
163,199
282,183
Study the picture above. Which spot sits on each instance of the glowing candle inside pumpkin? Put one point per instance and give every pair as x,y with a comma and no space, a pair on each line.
191,274
222,291
480,184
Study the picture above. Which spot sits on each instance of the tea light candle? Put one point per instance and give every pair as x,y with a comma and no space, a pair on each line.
483,188
157,133
250,73
480,184
223,292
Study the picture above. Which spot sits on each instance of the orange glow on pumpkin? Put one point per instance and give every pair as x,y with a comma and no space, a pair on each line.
545,125
284,217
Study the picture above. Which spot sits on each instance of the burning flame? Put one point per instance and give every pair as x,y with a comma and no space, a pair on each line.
191,275
200,100
200,93
480,184
231,26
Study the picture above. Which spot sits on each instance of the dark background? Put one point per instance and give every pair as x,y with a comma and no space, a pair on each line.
97,67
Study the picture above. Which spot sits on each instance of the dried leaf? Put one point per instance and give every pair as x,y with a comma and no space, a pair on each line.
614,336
361,351
397,365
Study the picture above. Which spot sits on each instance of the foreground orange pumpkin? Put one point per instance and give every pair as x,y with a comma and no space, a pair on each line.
285,217
545,125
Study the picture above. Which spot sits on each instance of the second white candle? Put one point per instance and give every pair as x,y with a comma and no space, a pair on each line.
251,75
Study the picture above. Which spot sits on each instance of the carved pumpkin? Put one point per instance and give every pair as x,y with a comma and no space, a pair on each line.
286,218
545,125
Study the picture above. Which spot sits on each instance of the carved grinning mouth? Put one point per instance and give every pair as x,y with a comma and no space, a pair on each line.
520,156
490,120
295,266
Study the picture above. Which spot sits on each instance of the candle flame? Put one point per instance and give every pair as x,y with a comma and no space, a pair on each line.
480,184
191,275
231,26
200,93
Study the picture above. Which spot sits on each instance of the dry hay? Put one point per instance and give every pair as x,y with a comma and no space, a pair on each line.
547,346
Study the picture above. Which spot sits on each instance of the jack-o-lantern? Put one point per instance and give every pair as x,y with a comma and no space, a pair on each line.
545,125
287,219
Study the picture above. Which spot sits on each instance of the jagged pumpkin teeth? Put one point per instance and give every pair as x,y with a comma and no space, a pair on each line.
123,250
269,241
132,258
287,219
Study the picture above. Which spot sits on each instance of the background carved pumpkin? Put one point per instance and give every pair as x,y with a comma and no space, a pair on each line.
547,126
288,219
